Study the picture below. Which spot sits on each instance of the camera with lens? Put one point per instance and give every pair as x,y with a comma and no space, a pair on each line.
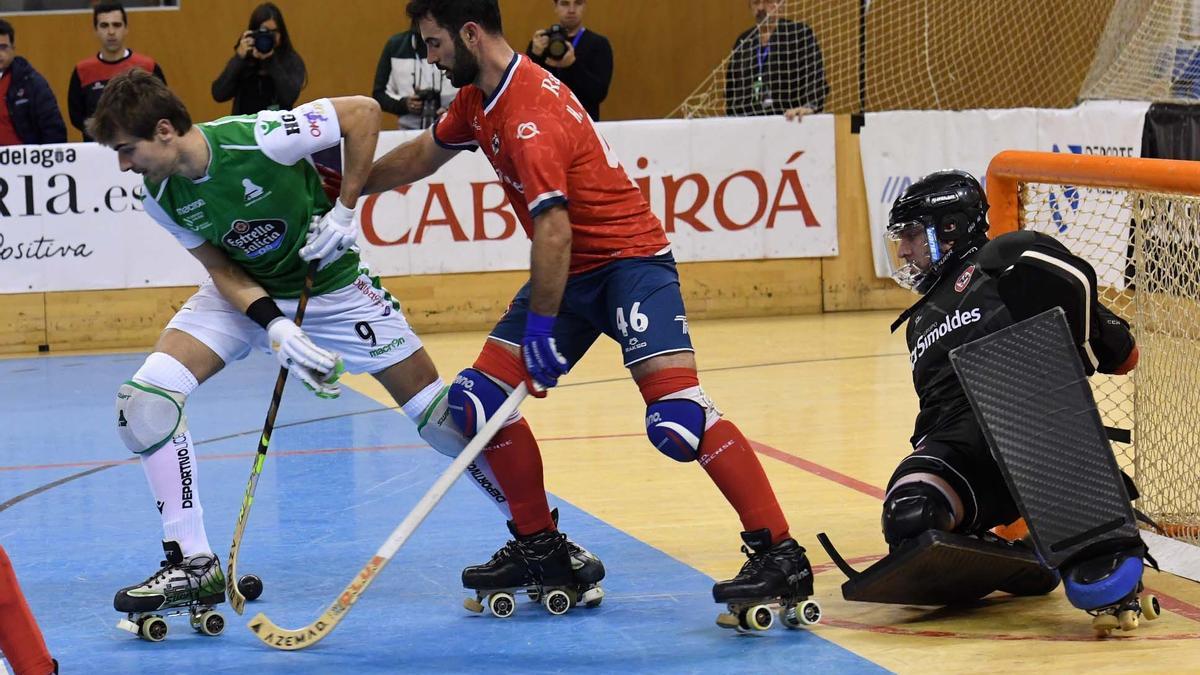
264,40
431,100
558,42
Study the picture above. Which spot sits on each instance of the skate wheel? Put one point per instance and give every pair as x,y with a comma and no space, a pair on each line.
758,617
1104,624
153,628
501,605
728,621
211,623
809,612
472,605
557,602
1150,608
250,586
592,597
1128,620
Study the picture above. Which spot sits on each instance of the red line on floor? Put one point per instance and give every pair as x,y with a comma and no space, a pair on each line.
818,470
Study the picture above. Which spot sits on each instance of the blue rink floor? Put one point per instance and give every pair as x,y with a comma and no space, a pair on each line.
78,521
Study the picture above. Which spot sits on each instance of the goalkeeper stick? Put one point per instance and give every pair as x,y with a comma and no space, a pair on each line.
236,600
282,638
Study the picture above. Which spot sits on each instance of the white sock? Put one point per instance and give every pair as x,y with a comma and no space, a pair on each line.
171,471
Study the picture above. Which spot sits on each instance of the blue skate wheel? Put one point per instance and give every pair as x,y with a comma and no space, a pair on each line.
250,586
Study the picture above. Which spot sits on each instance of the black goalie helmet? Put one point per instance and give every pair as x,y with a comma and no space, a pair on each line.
928,220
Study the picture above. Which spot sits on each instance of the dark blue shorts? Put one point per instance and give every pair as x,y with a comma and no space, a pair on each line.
634,301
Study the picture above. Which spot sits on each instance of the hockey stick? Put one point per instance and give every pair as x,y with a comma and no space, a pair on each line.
236,600
282,638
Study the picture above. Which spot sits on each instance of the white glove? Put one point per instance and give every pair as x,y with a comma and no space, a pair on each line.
331,235
319,369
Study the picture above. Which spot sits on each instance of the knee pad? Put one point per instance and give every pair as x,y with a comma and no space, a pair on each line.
913,508
148,417
676,423
439,429
473,398
150,405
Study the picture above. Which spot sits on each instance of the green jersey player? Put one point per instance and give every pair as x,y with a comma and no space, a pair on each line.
241,194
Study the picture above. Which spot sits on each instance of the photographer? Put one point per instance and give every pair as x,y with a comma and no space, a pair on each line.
581,58
265,72
407,86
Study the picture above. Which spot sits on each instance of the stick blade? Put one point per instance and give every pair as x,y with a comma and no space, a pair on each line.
290,640
236,600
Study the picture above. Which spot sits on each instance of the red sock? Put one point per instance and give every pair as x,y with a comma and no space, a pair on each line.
727,457
20,639
733,465
513,452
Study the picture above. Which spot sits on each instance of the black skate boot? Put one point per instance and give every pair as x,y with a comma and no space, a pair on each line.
539,564
192,585
588,569
774,574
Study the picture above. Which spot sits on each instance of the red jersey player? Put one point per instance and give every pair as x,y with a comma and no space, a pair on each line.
600,264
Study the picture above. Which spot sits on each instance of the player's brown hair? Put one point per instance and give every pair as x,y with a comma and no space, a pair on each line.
454,14
133,102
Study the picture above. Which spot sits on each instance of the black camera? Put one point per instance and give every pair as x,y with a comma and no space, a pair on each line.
431,100
558,42
264,40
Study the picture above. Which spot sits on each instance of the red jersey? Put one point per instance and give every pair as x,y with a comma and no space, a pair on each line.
546,152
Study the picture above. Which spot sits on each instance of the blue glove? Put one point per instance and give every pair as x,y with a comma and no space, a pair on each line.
542,360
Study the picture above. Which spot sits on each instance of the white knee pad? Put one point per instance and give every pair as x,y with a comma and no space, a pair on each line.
438,429
150,406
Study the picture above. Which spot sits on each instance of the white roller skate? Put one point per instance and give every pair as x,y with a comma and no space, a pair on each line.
193,586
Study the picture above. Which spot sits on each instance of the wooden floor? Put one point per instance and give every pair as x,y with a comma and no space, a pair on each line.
829,401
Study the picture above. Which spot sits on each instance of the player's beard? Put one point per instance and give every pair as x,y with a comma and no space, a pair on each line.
466,66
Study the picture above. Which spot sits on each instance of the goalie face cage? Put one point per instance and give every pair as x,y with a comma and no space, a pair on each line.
1135,221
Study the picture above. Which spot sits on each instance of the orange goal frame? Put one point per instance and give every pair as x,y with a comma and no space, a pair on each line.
1012,167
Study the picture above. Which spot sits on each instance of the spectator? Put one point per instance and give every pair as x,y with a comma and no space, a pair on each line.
30,112
265,72
586,66
91,74
775,67
405,83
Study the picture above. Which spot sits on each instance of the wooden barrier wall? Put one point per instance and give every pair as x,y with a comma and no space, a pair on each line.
117,319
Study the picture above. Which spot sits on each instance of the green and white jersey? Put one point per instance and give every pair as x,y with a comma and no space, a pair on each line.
258,195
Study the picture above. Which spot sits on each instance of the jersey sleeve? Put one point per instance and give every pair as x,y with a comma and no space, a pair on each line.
453,130
184,236
541,154
288,136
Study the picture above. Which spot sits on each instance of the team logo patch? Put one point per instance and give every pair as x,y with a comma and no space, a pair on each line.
255,237
964,279
527,130
495,144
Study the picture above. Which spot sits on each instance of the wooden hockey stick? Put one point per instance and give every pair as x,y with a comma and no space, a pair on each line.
236,600
283,638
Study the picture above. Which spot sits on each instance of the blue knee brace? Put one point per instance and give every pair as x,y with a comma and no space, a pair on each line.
472,399
1103,581
676,427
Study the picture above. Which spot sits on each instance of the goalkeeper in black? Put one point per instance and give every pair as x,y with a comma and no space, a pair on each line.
971,286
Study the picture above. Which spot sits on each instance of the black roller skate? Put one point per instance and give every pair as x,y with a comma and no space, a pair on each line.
776,574
539,564
1109,587
194,586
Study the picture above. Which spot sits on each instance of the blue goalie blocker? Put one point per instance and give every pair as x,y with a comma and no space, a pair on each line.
1027,386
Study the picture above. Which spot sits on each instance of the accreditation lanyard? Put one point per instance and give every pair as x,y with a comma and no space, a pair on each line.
575,42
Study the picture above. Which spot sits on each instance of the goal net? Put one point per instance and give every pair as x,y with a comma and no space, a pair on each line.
1136,221
950,55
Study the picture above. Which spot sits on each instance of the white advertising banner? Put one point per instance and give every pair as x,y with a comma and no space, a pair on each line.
70,220
898,148
725,189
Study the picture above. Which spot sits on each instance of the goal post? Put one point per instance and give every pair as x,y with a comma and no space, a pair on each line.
1137,221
